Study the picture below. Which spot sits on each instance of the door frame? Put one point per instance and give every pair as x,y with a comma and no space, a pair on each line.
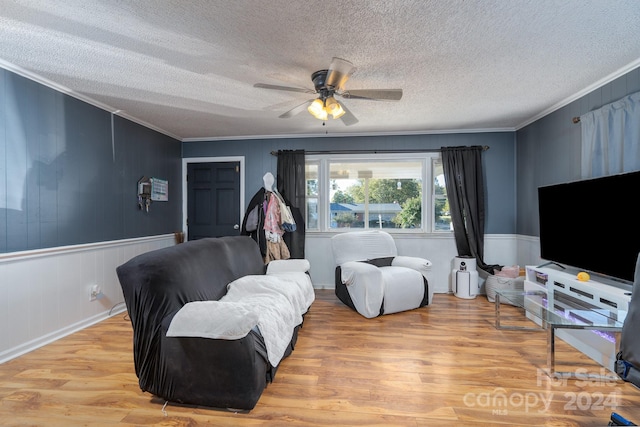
185,163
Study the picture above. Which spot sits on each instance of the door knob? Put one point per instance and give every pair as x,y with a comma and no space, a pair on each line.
236,227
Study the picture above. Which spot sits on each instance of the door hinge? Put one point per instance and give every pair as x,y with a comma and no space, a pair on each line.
237,168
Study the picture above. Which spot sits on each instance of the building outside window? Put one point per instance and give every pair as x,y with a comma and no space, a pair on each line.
399,193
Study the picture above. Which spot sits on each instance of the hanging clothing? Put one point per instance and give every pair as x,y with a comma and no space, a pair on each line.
277,250
293,240
272,222
255,230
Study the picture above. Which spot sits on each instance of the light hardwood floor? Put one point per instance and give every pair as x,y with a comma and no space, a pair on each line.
445,365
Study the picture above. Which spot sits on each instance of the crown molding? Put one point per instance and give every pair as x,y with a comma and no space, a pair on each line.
346,135
608,79
67,91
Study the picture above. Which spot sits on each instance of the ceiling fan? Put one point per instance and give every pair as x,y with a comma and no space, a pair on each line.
328,83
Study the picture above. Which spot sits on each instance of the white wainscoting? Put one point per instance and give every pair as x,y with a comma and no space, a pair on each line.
529,251
441,250
45,294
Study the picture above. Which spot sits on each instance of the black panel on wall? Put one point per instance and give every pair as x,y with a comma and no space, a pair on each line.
65,180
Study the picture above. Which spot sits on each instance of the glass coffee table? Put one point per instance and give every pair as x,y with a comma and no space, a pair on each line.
536,306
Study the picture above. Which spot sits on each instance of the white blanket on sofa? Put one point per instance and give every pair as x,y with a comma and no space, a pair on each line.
213,319
274,302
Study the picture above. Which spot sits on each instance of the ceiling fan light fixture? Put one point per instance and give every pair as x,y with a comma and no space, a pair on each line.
339,113
317,109
334,108
327,83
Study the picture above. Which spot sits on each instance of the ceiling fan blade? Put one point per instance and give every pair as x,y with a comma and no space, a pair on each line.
348,118
296,110
287,88
373,94
283,106
339,72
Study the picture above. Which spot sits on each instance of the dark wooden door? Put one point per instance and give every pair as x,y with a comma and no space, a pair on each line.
213,199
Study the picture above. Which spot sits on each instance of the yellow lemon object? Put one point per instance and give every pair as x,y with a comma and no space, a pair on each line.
583,277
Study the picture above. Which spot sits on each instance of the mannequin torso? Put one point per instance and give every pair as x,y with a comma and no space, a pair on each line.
268,180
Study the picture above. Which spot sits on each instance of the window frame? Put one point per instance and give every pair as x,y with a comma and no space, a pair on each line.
428,160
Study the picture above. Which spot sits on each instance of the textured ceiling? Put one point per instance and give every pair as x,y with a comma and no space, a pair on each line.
187,68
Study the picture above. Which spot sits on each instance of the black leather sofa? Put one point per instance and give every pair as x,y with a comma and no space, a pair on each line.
217,373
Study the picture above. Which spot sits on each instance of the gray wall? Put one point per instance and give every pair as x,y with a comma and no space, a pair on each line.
498,161
65,180
548,150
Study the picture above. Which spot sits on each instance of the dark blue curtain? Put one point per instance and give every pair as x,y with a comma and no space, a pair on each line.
465,190
291,184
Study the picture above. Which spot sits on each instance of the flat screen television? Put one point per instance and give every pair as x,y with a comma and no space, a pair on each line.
592,225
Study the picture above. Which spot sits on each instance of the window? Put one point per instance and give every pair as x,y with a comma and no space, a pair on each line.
388,192
441,211
311,174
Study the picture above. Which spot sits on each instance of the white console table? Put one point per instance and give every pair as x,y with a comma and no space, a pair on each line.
560,286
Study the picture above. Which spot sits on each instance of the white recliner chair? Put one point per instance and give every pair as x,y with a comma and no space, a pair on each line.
371,277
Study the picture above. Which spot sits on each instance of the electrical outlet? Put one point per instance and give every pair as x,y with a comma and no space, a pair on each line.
94,292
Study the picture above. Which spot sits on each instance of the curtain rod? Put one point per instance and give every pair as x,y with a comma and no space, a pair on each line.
409,150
